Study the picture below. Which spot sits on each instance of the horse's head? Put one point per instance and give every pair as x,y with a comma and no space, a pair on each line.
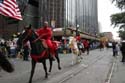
72,40
24,37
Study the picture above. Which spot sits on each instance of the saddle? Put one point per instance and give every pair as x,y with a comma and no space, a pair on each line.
44,44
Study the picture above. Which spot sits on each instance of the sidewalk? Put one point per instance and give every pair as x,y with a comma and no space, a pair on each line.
119,71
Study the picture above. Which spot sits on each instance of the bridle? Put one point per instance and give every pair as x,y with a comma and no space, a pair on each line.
29,34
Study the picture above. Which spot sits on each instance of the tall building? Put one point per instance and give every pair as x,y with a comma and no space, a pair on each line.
59,13
52,11
67,13
108,35
84,14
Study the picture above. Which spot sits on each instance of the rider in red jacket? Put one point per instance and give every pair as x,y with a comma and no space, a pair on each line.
45,34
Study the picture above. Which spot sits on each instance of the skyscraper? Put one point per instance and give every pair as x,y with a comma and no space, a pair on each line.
52,11
59,14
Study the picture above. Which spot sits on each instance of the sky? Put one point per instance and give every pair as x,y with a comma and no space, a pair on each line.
105,9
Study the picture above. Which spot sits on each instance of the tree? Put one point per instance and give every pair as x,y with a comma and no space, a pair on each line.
118,19
119,3
122,34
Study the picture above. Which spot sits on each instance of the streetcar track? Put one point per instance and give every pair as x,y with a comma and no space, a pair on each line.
76,71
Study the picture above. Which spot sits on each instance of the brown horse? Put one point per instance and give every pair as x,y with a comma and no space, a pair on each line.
38,52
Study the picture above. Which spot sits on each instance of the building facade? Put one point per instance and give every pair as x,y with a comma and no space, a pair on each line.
108,35
81,14
84,14
52,11
71,13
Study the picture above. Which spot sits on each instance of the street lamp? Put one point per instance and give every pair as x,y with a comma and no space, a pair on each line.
77,27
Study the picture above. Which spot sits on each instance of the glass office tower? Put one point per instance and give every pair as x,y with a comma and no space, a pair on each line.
60,13
67,13
84,14
52,11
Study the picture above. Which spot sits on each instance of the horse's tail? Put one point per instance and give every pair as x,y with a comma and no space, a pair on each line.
5,64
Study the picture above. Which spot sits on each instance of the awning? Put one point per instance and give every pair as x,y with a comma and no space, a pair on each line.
60,32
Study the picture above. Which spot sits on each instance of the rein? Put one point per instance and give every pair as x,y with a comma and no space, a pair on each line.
29,33
36,39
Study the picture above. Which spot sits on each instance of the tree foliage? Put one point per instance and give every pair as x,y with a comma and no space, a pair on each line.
122,34
119,3
118,19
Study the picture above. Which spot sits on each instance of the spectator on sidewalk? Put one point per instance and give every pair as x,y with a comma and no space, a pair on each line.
12,49
123,50
86,45
26,51
114,50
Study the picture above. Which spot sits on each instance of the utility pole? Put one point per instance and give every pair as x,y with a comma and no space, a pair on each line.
77,26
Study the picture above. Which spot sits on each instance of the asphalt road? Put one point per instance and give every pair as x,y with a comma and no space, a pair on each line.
94,68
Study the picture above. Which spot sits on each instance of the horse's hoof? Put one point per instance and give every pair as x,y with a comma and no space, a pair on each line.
59,68
81,58
49,71
46,76
29,82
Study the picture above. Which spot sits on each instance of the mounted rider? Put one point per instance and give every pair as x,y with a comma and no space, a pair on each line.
45,34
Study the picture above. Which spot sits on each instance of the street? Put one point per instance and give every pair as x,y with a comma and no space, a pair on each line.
94,68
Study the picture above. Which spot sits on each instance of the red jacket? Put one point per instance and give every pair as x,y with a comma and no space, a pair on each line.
85,43
78,38
45,33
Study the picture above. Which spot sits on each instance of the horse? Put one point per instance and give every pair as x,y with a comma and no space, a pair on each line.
76,54
39,54
101,46
5,64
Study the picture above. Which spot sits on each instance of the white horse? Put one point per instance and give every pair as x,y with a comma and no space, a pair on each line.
75,50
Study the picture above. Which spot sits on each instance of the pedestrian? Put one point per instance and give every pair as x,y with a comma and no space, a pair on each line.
117,48
45,34
122,48
12,49
86,45
101,45
26,51
114,50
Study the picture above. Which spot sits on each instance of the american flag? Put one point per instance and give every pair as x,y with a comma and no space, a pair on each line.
10,8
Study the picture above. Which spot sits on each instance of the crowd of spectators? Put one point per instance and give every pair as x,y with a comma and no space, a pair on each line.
9,49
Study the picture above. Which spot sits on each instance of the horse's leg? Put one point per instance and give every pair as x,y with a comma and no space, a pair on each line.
73,57
51,63
32,70
81,54
58,60
45,68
